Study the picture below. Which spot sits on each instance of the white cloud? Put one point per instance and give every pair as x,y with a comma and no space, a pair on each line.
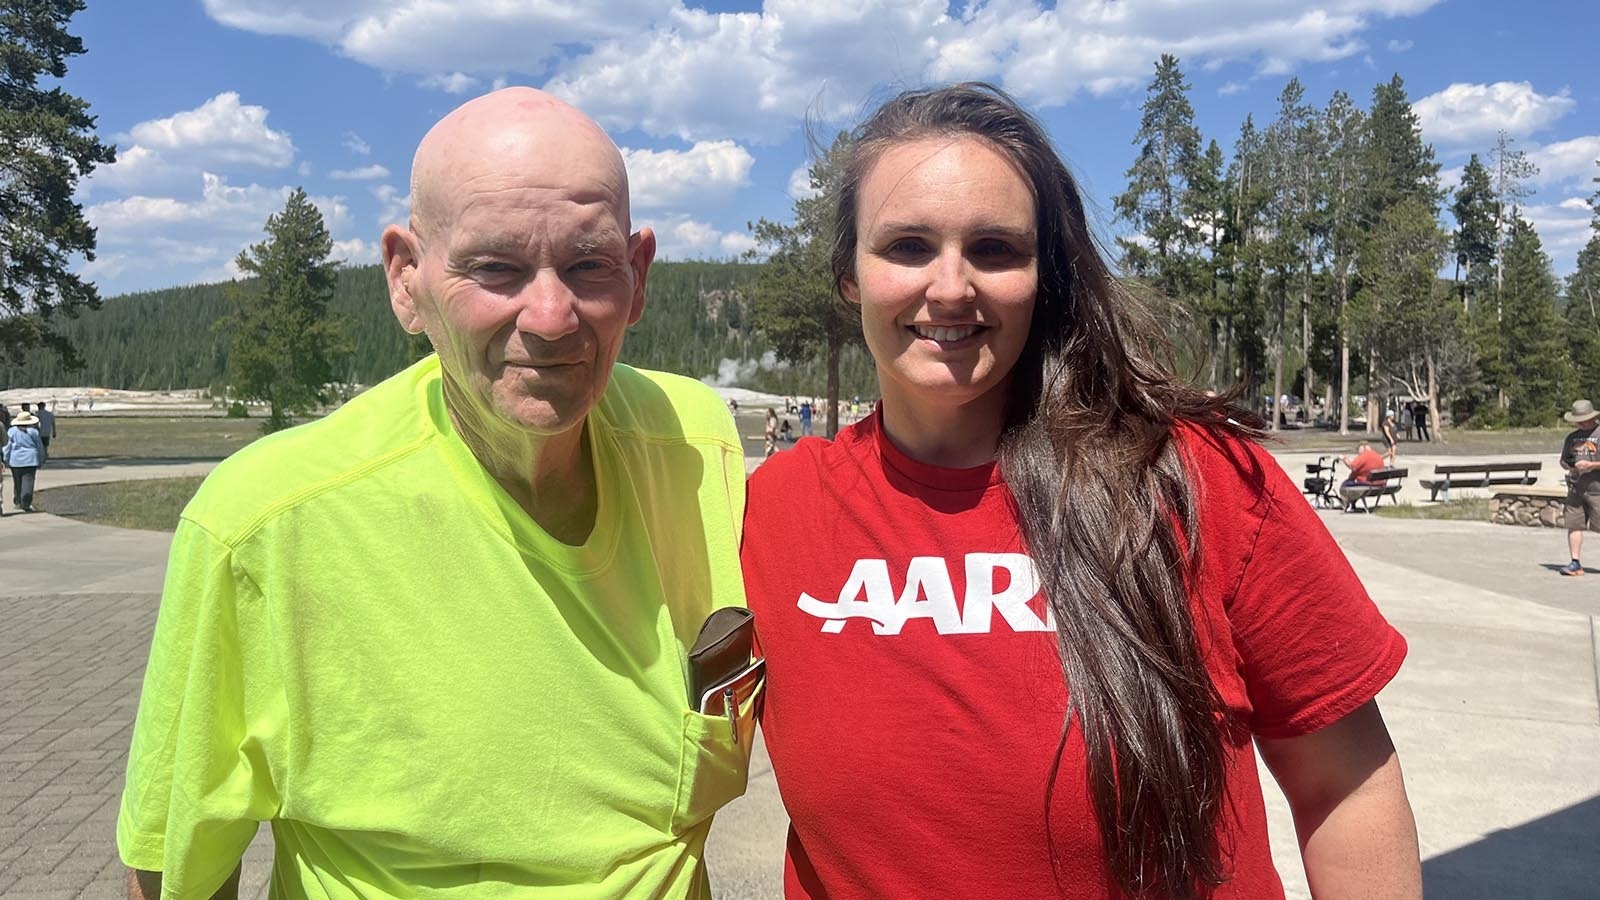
355,251
162,156
451,83
221,130
1397,46
682,237
158,238
136,169
304,168
365,173
396,207
1564,228
1231,88
356,145
658,178
800,187
1575,159
1467,113
437,37
669,68
322,20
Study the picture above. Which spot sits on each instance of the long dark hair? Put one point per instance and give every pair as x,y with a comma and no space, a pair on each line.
1105,505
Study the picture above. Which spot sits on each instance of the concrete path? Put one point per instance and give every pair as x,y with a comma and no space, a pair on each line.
1496,712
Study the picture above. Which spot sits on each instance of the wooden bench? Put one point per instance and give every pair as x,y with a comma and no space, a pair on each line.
1472,475
1368,496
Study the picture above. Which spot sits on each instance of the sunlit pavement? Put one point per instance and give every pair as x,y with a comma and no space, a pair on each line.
1496,714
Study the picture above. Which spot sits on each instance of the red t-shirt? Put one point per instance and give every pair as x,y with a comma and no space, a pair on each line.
1364,464
915,698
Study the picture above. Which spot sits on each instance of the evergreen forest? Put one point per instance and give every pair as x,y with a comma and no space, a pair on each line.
697,322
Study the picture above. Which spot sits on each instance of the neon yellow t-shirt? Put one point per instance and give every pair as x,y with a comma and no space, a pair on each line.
365,641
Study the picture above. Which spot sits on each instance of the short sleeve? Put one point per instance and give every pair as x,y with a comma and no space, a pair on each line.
1312,645
198,781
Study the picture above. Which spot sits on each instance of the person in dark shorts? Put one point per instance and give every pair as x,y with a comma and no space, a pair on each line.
1580,456
1390,438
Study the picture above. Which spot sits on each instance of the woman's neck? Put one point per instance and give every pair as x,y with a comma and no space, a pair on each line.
954,437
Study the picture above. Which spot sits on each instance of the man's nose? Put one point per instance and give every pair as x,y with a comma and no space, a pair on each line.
547,307
950,278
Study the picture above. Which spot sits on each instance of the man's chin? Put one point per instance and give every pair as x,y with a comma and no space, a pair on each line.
541,416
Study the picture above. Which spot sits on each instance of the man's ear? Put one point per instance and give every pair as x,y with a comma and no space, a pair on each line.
401,257
641,252
850,288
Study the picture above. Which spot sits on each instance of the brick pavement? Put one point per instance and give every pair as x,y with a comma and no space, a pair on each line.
1496,714
70,668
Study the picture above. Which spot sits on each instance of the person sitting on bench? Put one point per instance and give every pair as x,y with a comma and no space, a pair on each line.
1361,465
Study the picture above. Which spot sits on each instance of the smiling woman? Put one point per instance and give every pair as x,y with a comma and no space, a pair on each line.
1073,594
945,277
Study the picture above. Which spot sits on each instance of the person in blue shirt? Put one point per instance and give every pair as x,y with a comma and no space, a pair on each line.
24,453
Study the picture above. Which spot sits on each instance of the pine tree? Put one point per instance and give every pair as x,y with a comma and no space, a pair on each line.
1169,153
1540,371
1296,160
285,346
47,143
1512,170
1398,168
1475,241
1241,249
1344,135
1583,309
1414,325
1204,203
795,305
1398,164
1583,318
1475,244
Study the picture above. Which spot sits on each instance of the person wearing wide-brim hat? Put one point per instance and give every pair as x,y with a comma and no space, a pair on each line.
24,453
1580,456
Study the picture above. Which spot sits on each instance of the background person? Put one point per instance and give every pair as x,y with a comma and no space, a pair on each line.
24,453
1053,588
1391,439
47,423
437,638
1580,457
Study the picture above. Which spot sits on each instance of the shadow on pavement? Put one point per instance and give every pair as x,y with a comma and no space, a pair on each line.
1550,858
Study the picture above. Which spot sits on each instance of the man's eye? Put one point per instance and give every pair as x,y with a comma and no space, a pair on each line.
590,267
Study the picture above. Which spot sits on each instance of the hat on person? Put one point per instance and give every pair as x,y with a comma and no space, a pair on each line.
25,418
1582,411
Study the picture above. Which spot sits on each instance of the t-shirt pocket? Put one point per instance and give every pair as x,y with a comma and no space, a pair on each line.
714,767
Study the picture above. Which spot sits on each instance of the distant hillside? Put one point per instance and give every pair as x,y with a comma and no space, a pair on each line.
695,324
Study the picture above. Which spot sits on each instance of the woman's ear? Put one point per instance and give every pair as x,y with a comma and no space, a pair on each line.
849,287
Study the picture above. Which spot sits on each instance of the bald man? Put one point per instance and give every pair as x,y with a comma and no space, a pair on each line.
438,638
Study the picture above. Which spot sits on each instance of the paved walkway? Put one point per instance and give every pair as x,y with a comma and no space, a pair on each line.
1496,713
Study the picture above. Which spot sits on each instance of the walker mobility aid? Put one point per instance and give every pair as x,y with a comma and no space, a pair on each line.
1321,487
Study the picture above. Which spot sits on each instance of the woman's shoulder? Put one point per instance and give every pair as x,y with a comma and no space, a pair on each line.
1230,472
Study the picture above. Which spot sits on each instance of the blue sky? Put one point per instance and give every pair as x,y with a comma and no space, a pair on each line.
219,108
